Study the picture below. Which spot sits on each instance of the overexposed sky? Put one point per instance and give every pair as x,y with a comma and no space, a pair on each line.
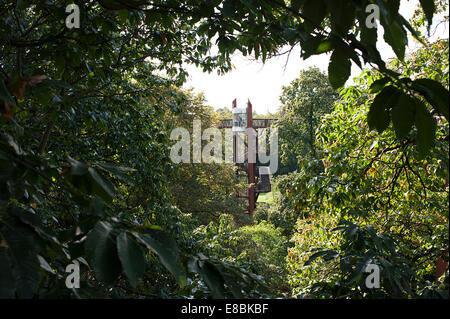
262,83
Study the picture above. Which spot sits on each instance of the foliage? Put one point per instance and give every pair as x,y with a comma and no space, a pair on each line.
305,101
281,215
258,248
84,147
84,152
203,190
257,27
264,245
392,201
311,234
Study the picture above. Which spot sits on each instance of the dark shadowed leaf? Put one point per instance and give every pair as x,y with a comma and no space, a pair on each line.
130,255
327,254
339,69
426,129
435,93
7,281
120,172
22,252
228,8
213,280
166,249
429,8
102,187
315,12
378,116
396,36
78,168
342,15
101,248
403,115
378,85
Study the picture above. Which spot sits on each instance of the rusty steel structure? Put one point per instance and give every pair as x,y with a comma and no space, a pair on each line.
249,166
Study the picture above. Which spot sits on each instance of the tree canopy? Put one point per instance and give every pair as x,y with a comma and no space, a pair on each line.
85,173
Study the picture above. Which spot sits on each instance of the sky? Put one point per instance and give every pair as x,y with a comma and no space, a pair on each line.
262,83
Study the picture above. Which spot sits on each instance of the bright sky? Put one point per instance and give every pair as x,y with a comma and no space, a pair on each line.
262,83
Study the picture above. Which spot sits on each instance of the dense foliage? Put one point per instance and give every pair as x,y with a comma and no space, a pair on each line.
390,201
85,173
305,101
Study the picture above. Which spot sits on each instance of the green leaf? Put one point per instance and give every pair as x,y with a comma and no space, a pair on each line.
339,69
378,116
403,115
101,248
213,280
396,36
22,251
228,8
166,249
378,85
429,8
315,12
120,172
426,129
323,253
368,35
123,15
325,46
102,187
78,168
435,93
130,255
342,15
7,281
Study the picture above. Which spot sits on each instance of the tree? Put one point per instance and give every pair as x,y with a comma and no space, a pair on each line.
261,27
84,152
83,117
305,102
204,190
392,210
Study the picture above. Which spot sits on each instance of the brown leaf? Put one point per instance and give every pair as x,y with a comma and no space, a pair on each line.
64,172
441,267
17,86
7,110
3,244
164,39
